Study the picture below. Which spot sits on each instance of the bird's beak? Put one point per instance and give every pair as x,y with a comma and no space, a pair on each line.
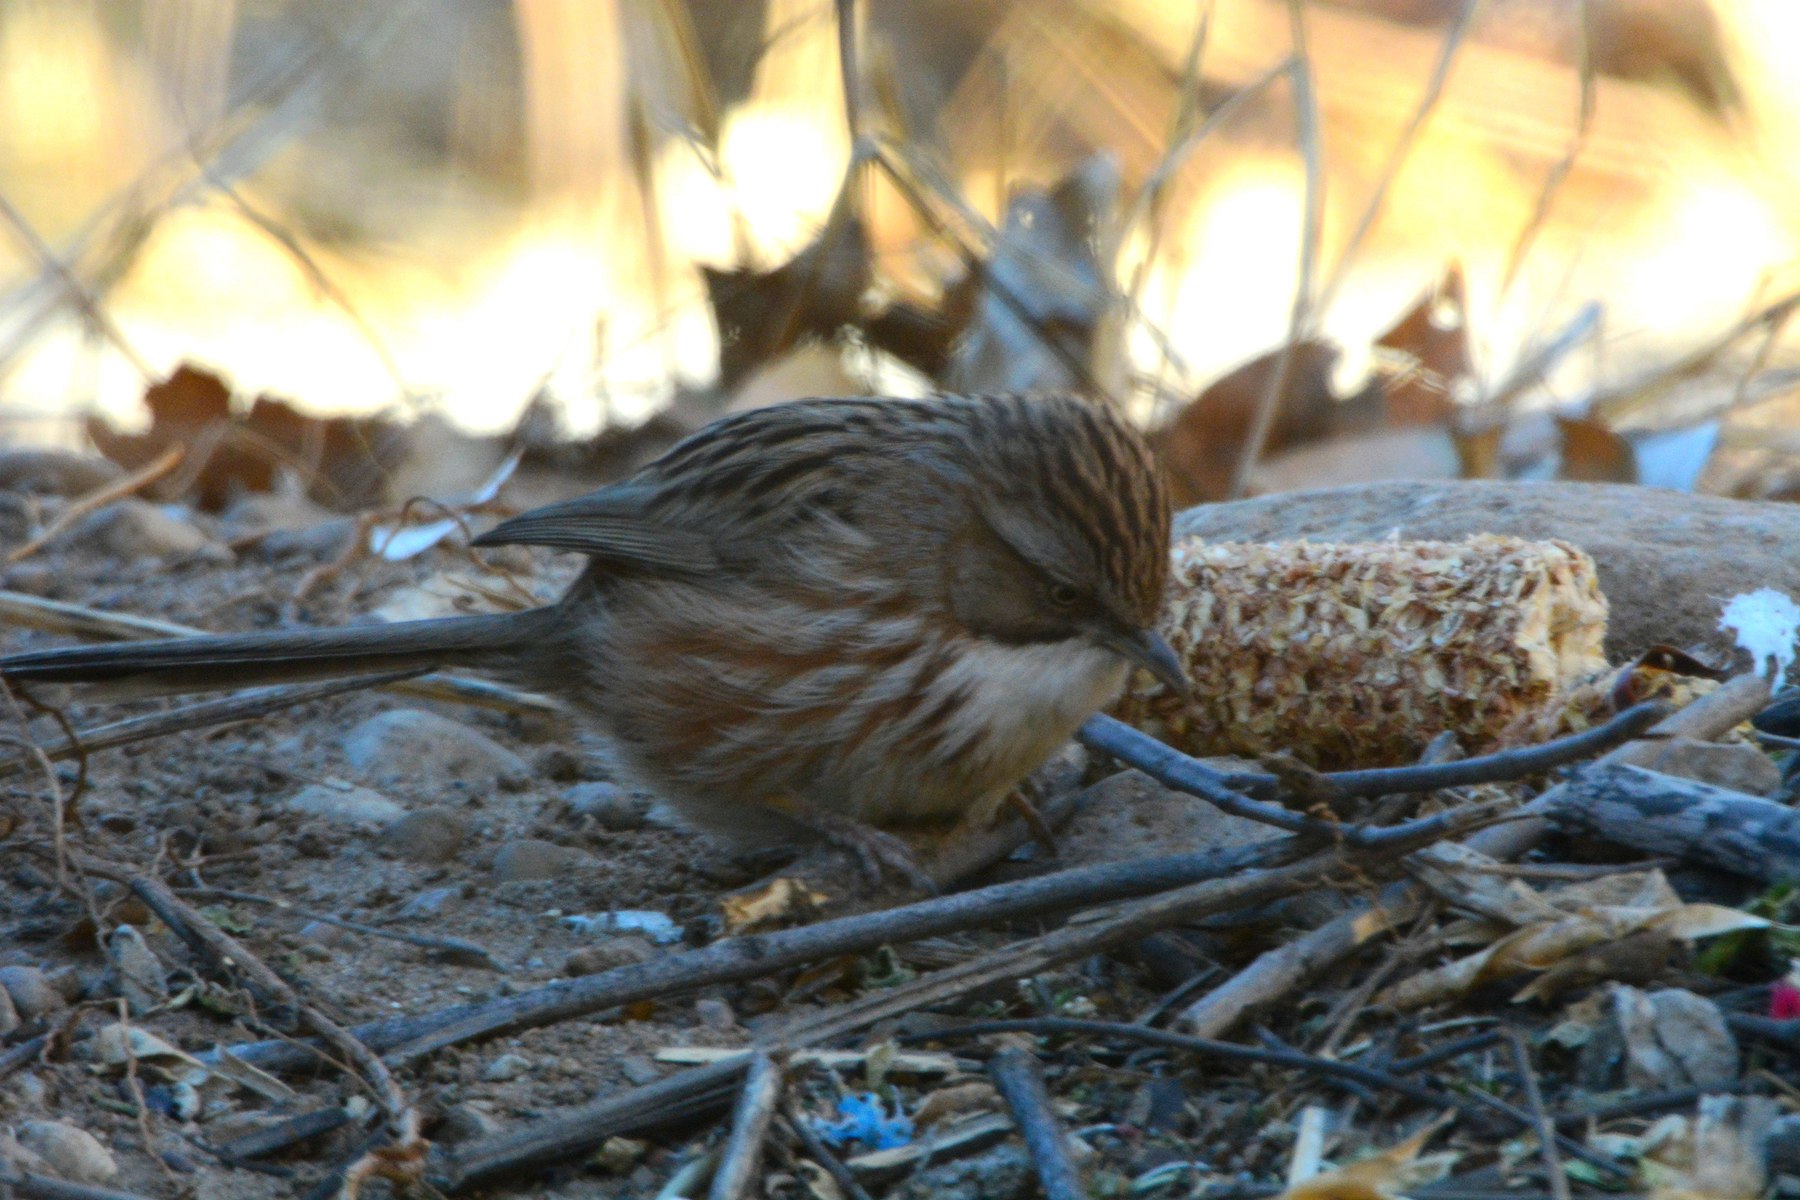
1146,648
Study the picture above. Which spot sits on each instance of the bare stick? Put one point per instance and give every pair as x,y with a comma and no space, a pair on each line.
1553,182
1280,971
738,1166
1224,790
85,302
1685,818
1540,1117
579,1130
731,960
56,616
27,1186
1019,1077
461,948
227,954
1306,115
100,497
1402,149
820,1153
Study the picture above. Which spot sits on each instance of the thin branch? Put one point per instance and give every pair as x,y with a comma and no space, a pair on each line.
795,1121
85,303
1172,768
581,1129
757,1100
1402,149
1019,1078
1278,972
460,948
1306,115
1541,1124
100,497
731,960
1553,182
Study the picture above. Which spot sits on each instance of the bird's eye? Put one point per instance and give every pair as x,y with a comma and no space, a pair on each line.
1063,596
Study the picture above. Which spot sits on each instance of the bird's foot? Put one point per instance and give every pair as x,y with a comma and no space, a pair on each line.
878,854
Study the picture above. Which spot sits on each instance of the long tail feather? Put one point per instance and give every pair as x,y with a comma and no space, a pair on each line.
289,656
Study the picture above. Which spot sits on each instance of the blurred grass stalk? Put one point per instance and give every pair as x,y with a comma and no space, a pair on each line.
462,206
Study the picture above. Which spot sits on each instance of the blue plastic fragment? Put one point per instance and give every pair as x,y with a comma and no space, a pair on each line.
863,1119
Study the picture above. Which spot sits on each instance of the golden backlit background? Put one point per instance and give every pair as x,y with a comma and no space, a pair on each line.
458,206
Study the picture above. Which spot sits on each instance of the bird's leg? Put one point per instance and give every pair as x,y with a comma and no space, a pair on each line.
877,852
1024,801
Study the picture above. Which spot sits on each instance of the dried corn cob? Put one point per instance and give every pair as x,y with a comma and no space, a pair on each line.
1361,654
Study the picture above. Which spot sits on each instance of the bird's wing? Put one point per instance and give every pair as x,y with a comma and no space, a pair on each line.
613,525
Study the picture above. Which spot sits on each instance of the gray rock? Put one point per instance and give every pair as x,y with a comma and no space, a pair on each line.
528,858
429,835
345,804
1667,560
327,936
607,953
69,1151
1129,815
464,1123
136,970
31,992
1673,1039
431,902
611,806
424,751
506,1068
715,1014
132,529
55,472
9,1016
1735,765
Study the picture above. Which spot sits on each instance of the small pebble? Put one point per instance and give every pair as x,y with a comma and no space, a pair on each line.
28,1090
464,1123
132,529
428,835
640,1069
618,1155
427,752
530,858
611,806
428,903
715,1014
607,953
506,1068
345,804
325,934
55,472
69,1151
139,974
31,992
559,763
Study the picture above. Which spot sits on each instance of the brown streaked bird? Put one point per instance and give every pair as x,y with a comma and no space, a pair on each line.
826,616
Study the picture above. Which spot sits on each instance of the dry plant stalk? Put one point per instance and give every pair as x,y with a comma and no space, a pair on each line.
1360,654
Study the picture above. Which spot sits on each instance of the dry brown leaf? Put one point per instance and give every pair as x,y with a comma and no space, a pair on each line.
1716,1155
1381,1176
779,899
1594,912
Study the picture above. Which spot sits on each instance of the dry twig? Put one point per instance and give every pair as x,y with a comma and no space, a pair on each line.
1280,971
100,497
1019,1078
742,1156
